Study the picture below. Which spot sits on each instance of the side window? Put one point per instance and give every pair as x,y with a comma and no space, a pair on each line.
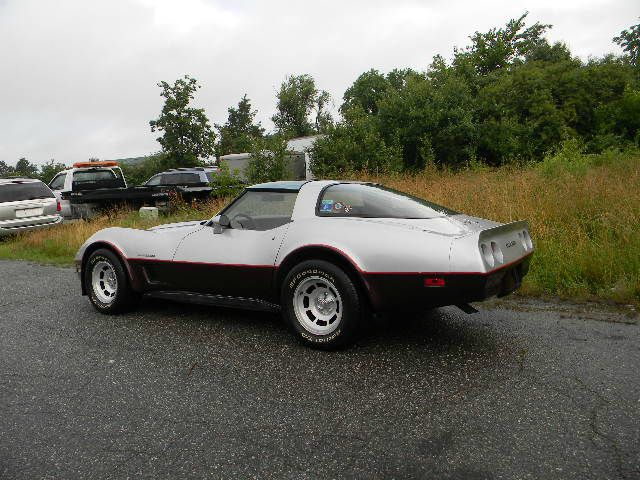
375,201
261,210
170,179
182,178
154,180
191,178
58,182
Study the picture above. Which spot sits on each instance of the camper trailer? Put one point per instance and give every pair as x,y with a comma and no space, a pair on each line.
298,159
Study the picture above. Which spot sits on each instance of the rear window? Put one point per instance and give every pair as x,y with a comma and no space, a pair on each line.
97,178
374,201
89,176
14,192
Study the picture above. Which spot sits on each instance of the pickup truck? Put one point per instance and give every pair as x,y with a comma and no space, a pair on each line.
89,187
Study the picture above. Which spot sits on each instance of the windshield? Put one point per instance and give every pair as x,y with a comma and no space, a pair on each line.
259,210
16,191
374,201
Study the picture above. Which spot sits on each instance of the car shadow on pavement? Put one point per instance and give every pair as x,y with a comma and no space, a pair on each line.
439,330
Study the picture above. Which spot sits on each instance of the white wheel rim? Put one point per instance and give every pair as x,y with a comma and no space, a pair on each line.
318,305
104,281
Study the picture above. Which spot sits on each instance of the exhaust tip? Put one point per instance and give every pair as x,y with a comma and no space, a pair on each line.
466,308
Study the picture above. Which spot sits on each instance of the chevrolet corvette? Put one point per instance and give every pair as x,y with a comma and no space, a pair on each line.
324,253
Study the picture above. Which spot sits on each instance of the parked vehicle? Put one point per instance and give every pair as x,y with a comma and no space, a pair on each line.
298,160
325,253
26,204
191,183
89,187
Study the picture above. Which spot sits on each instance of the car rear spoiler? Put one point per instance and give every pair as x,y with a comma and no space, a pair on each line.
506,228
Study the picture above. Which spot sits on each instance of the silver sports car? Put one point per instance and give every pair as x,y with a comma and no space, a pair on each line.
325,253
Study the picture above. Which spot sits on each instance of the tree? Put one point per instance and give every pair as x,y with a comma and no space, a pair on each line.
240,131
268,161
366,92
354,144
499,47
49,170
187,136
323,118
298,99
629,40
5,170
24,168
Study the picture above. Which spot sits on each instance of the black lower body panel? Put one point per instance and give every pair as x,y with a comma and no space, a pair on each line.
409,292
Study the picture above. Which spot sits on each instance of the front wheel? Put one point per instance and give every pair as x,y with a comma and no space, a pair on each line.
107,284
322,304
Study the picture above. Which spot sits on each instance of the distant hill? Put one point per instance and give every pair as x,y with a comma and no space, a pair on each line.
131,161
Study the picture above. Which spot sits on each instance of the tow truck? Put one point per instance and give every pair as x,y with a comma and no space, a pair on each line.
91,187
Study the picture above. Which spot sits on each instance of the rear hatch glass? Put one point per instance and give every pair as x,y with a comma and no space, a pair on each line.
18,191
95,178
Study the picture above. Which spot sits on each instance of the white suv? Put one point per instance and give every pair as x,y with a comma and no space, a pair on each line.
26,204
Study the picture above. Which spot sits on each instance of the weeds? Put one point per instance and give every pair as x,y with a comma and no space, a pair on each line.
583,210
584,213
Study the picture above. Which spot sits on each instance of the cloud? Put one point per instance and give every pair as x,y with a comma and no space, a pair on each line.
79,77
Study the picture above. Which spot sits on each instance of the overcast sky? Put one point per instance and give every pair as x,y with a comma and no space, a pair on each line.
78,77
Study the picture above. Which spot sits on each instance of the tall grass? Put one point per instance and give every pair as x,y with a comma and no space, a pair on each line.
59,245
584,213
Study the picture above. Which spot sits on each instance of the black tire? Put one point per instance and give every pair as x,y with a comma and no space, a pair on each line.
351,304
124,298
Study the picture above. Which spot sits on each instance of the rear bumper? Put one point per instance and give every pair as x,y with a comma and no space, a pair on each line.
407,291
10,227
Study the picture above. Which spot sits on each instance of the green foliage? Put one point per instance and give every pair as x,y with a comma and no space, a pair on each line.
187,136
298,99
569,157
239,132
629,40
5,170
24,168
269,160
225,183
500,47
509,97
49,170
355,144
139,173
366,92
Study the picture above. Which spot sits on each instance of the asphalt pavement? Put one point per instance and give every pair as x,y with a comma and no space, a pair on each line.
523,389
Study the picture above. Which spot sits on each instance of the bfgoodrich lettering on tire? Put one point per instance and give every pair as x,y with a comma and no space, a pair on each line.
107,284
322,304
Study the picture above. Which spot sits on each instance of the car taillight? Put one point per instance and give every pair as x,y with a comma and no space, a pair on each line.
434,282
58,206
488,256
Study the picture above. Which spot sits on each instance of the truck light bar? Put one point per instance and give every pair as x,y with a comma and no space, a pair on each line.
95,164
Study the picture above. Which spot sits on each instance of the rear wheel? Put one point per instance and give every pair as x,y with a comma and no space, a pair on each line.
322,304
107,284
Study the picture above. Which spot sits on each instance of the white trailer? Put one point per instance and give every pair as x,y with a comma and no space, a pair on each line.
299,159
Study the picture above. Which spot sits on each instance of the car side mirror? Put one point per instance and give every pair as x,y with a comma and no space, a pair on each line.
222,223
